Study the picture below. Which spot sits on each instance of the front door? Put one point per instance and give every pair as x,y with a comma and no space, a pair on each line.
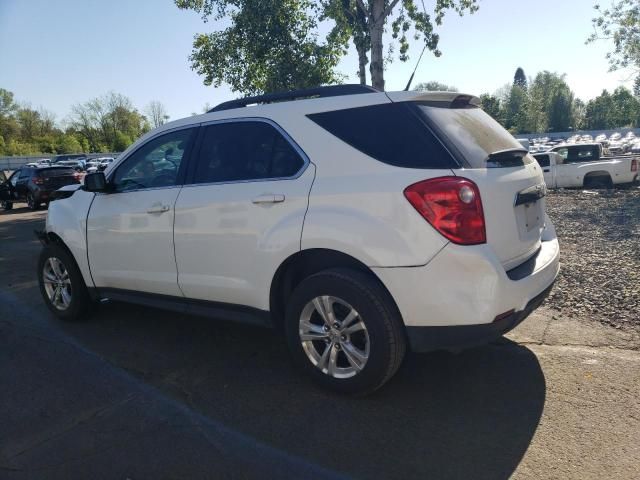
242,213
8,188
130,229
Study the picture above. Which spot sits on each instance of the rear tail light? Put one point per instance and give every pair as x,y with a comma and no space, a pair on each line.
634,165
452,205
38,180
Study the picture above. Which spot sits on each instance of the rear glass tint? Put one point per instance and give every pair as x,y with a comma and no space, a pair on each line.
391,133
56,172
475,135
543,160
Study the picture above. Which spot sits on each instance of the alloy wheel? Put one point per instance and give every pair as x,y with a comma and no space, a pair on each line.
57,283
334,336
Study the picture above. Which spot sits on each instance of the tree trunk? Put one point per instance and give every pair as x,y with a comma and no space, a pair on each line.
362,62
376,30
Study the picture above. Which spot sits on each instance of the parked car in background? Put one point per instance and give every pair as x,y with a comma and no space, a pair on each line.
68,156
35,185
99,164
341,218
584,165
77,165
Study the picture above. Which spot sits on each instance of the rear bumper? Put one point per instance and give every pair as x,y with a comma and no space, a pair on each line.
457,297
425,339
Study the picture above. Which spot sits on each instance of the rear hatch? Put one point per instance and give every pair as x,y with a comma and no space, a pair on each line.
510,181
57,177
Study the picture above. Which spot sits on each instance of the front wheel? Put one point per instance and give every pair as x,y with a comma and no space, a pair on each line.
344,331
6,205
61,284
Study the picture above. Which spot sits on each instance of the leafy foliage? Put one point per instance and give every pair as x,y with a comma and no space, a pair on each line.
364,22
270,45
108,123
434,86
620,23
520,79
156,113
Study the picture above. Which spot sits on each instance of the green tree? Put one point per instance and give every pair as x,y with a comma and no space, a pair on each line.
365,21
157,113
598,113
625,108
619,23
520,79
515,114
579,114
434,86
108,123
7,104
550,103
491,105
269,45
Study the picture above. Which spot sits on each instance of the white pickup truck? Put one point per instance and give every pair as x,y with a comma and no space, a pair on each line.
584,165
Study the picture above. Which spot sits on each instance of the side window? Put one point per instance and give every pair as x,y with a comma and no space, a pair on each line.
586,153
14,178
155,164
563,152
26,173
543,160
391,133
236,151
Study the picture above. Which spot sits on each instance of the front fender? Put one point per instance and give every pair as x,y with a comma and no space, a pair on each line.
67,219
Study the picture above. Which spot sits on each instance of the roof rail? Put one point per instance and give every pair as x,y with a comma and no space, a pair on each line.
316,92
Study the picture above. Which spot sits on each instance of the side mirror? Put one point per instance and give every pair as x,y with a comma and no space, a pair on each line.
95,182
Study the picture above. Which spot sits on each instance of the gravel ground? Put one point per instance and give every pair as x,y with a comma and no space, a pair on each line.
599,234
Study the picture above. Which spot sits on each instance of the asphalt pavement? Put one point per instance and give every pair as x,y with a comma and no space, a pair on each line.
138,393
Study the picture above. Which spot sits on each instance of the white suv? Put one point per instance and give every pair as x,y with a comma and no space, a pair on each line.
360,222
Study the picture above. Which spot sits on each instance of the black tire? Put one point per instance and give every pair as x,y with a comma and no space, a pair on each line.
79,306
378,312
31,202
6,205
600,181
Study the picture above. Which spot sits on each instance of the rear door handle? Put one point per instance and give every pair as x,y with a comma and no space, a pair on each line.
158,208
546,170
269,198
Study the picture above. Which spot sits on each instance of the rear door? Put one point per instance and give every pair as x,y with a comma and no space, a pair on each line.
510,181
22,183
7,187
242,213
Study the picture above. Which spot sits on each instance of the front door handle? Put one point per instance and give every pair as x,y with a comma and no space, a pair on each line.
269,198
158,208
546,170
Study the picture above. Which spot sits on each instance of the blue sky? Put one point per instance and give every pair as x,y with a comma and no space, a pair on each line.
57,53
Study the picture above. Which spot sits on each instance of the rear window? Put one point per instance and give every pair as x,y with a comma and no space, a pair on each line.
543,160
475,136
56,172
391,133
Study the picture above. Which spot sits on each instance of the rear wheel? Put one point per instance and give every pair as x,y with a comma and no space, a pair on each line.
6,205
61,284
599,181
344,331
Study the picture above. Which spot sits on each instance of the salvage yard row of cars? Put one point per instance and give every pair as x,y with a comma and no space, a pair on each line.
582,161
36,182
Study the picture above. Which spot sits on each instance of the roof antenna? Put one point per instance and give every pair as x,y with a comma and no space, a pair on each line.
406,89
